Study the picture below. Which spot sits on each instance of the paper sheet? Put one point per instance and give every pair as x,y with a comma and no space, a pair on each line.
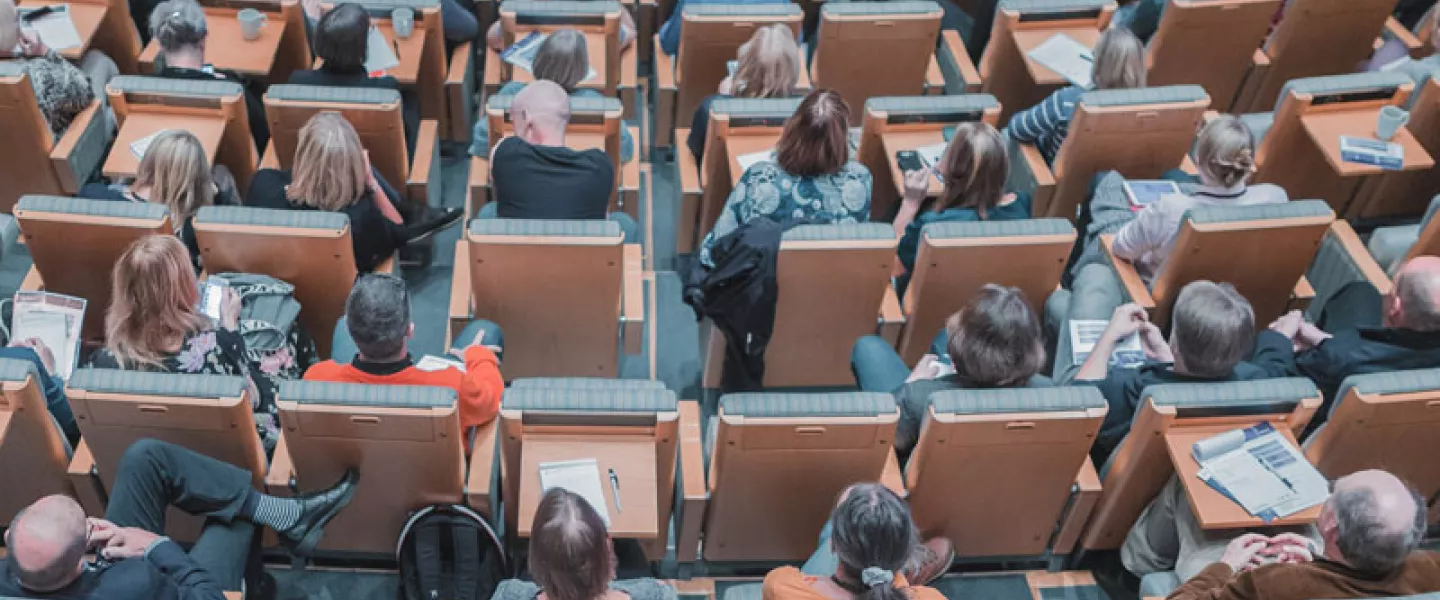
581,477
56,29
379,53
430,364
748,160
1063,55
141,146
1084,333
1247,481
1261,470
55,320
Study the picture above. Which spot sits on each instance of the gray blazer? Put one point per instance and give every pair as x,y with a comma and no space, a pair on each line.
637,589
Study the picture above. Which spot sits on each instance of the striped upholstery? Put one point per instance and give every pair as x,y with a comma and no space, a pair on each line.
1259,124
906,7
585,383
90,147
1294,209
177,385
755,107
974,229
746,591
931,105
561,8
272,217
1390,244
148,211
1331,270
598,400
838,404
1017,400
14,369
578,104
546,227
839,232
357,394
1265,395
1170,94
1022,179
1393,382
325,93
197,88
741,10
1053,6
9,232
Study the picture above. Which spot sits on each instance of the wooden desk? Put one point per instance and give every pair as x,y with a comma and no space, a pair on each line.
410,51
122,162
1027,40
740,145
1213,510
632,458
1324,130
227,49
87,17
895,141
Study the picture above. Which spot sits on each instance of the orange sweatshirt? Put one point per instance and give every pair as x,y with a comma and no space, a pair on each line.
479,386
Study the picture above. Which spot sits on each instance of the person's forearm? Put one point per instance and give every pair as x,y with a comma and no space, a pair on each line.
905,217
1098,363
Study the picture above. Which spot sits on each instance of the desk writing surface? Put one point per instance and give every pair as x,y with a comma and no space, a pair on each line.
895,141
122,162
1027,40
409,51
740,144
1325,129
632,458
1212,509
227,49
85,15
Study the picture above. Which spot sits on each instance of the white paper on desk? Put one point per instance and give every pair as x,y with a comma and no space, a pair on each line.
1248,482
1260,469
56,29
1063,55
141,146
431,363
379,55
580,477
55,320
748,160
1284,460
1084,333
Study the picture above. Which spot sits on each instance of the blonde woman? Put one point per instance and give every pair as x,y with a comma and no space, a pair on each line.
174,173
769,67
1119,64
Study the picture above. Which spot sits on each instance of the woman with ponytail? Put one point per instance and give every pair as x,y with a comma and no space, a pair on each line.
869,550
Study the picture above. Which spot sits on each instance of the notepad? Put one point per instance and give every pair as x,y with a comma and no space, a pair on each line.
1084,333
379,53
141,146
522,53
56,29
749,160
1260,470
1063,55
580,477
55,320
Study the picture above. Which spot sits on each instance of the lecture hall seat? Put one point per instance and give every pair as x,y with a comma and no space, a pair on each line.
39,163
895,123
751,125
34,454
157,99
868,49
1004,68
598,20
1184,48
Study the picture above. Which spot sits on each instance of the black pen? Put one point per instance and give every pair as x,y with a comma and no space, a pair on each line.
615,489
396,45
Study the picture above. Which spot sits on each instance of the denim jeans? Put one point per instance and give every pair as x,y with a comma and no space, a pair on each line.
879,368
628,227
823,562
344,351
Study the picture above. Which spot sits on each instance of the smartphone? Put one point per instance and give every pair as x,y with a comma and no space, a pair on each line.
909,160
211,297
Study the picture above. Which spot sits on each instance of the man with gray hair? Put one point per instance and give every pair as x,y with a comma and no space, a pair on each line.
1371,525
1360,331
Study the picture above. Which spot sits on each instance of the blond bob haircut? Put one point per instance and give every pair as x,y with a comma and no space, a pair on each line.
177,174
329,170
769,64
1119,61
153,294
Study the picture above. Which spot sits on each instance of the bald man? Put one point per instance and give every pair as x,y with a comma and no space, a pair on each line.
1360,331
48,540
1372,525
536,176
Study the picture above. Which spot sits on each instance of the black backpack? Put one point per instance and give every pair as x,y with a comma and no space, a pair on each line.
449,552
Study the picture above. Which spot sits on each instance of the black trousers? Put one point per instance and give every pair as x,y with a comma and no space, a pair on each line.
155,475
1356,304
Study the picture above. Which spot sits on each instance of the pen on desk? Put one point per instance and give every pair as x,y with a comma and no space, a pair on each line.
396,45
615,489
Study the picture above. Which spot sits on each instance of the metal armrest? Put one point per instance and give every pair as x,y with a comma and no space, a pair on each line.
1083,497
694,495
460,92
424,185
632,301
1394,29
667,93
1130,279
280,479
483,452
892,316
1030,173
961,76
892,477
460,299
89,491
77,155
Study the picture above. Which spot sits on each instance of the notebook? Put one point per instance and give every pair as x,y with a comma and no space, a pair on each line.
55,28
1261,471
1063,55
1128,353
580,477
380,54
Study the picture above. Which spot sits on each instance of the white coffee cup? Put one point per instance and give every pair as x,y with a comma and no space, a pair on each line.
250,22
403,21
1392,118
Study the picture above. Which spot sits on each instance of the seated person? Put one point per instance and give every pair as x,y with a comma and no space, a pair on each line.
1225,156
536,176
495,37
175,174
49,539
62,90
372,347
868,550
571,557
974,169
1141,17
1394,56
1372,526
51,385
1212,331
768,67
154,323
670,30
1360,332
340,41
812,177
332,172
180,28
1119,64
995,341
563,59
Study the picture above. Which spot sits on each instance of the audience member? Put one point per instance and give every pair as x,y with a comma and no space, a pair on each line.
563,59
1360,331
536,176
670,31
35,351
995,341
973,170
495,37
48,540
1372,526
868,550
341,42
332,172
811,178
1141,17
180,28
154,323
571,557
372,347
1119,64
768,66
175,174
1212,331
1393,55
62,90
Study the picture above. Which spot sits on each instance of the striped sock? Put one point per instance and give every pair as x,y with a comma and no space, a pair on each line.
276,513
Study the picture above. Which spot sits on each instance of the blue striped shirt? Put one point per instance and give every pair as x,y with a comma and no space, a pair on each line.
1046,124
